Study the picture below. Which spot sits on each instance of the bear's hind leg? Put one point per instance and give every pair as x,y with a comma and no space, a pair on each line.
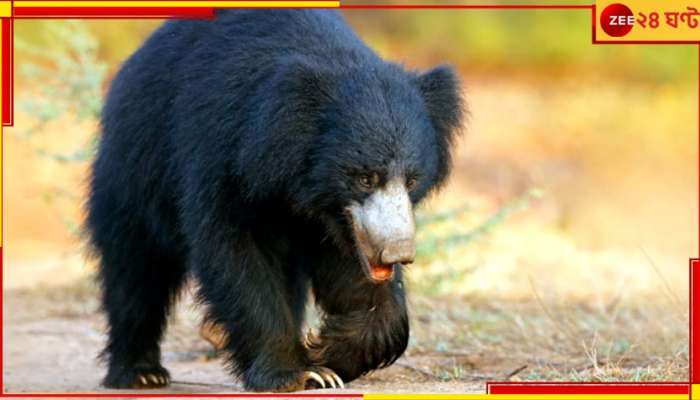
140,282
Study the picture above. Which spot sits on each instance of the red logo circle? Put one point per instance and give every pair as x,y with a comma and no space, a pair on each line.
617,20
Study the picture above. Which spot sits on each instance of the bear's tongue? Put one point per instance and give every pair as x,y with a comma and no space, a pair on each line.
382,272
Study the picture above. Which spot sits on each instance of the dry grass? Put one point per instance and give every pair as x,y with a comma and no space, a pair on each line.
549,340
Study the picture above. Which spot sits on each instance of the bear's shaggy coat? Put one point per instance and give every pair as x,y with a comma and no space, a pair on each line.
230,152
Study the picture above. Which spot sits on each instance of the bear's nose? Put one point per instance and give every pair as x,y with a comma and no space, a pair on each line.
398,251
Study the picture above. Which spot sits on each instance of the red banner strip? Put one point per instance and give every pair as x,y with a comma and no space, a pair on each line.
114,12
587,388
7,70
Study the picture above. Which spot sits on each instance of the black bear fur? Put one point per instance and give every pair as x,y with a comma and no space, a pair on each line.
228,153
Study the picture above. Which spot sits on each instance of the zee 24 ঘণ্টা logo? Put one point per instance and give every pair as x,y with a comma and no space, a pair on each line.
617,19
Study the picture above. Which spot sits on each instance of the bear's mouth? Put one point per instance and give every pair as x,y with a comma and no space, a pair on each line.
376,273
381,272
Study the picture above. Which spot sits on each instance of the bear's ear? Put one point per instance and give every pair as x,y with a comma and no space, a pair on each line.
441,91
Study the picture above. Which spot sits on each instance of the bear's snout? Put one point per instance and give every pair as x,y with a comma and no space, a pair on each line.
384,226
399,251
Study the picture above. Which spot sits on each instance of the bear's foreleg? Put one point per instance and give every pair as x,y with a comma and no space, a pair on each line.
248,298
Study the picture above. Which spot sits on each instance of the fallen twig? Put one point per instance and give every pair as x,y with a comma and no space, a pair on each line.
516,371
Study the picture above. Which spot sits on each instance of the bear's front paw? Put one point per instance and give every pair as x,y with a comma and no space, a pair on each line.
137,377
289,381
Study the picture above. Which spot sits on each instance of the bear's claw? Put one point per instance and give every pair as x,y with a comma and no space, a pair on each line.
144,376
152,380
312,375
320,375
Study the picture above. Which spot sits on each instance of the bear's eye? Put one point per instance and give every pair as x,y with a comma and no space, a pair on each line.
411,182
367,181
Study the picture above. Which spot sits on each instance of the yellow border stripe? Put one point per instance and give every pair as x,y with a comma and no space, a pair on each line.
401,396
137,3
5,8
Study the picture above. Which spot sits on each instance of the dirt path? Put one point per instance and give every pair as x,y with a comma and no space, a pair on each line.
52,337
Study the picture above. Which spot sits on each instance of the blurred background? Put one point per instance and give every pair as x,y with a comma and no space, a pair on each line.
559,250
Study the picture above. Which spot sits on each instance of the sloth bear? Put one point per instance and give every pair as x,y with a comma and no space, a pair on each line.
266,153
